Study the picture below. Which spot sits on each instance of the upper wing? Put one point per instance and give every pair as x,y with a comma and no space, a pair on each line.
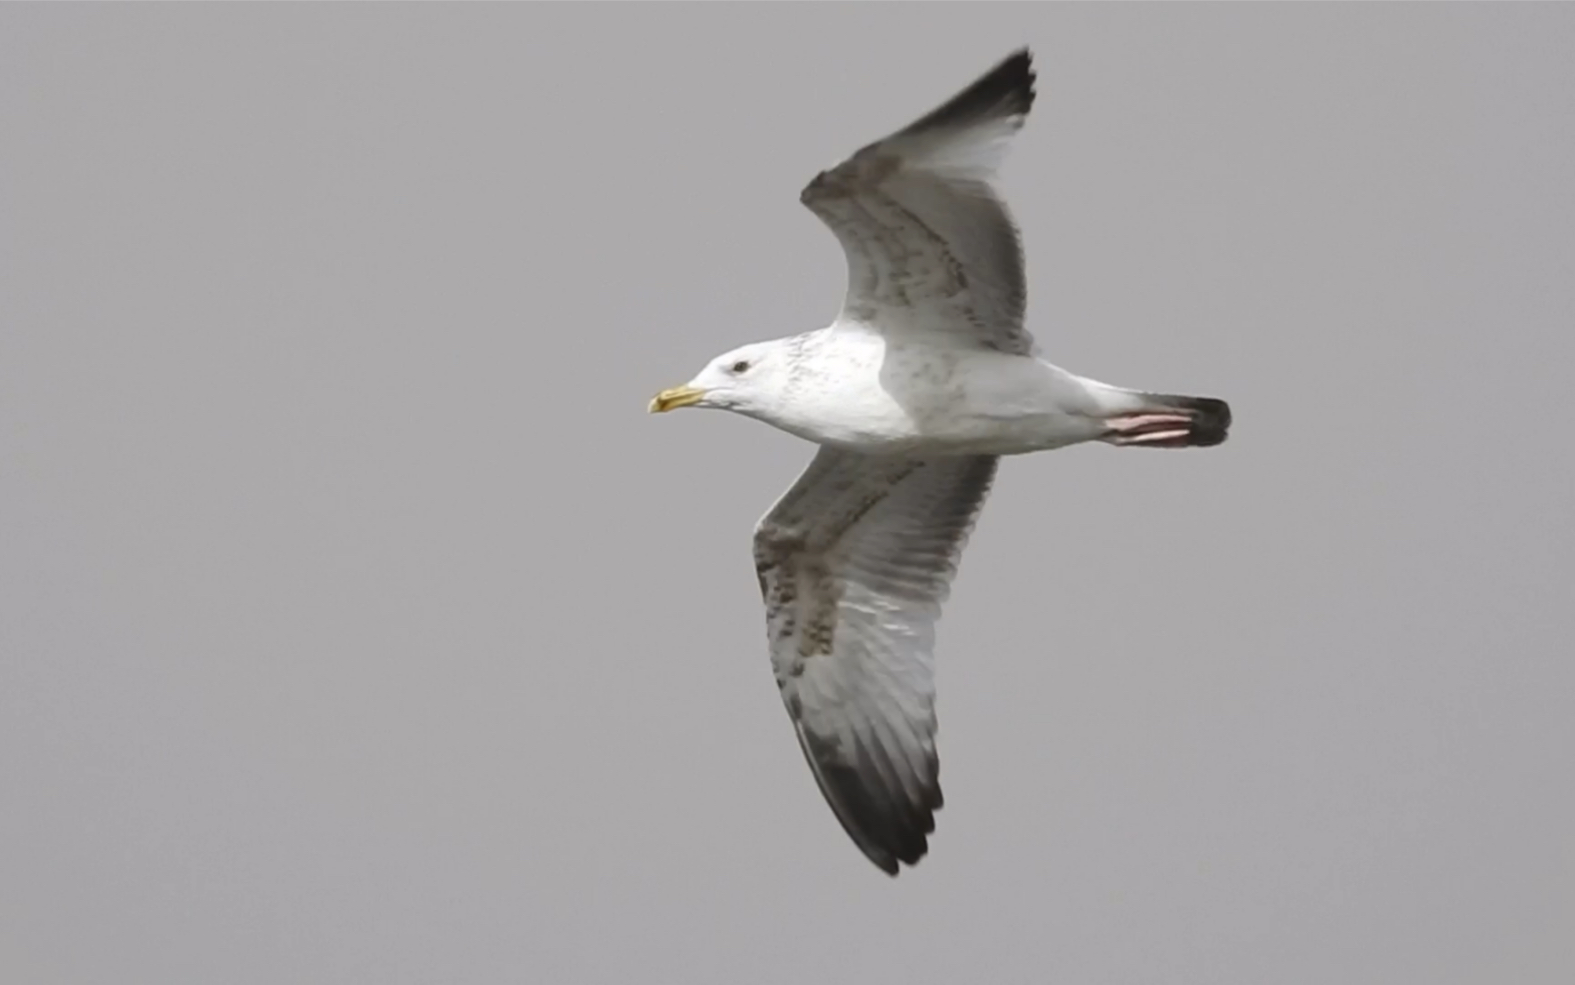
854,562
930,246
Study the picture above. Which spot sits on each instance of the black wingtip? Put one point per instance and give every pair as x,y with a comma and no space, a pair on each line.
1007,89
1015,78
885,863
888,827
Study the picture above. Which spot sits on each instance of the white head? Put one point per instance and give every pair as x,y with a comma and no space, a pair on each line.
751,379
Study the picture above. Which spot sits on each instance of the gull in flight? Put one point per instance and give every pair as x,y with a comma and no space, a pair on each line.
924,380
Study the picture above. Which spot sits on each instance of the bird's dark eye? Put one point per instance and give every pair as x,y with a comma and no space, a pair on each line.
741,365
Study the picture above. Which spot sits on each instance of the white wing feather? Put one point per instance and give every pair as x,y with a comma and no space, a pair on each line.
854,562
931,248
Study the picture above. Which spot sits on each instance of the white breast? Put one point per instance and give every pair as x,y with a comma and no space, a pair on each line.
869,396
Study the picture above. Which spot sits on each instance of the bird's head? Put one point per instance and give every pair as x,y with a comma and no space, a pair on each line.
747,380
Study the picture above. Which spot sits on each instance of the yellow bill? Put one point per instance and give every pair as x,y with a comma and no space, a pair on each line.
678,396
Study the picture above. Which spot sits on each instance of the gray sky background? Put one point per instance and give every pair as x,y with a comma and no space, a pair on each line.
357,624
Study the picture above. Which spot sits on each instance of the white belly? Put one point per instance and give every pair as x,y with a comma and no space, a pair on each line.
948,403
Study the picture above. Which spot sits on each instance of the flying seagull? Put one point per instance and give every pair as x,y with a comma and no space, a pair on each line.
926,377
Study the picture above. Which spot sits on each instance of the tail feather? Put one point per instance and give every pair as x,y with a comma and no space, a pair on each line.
1165,420
1211,423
